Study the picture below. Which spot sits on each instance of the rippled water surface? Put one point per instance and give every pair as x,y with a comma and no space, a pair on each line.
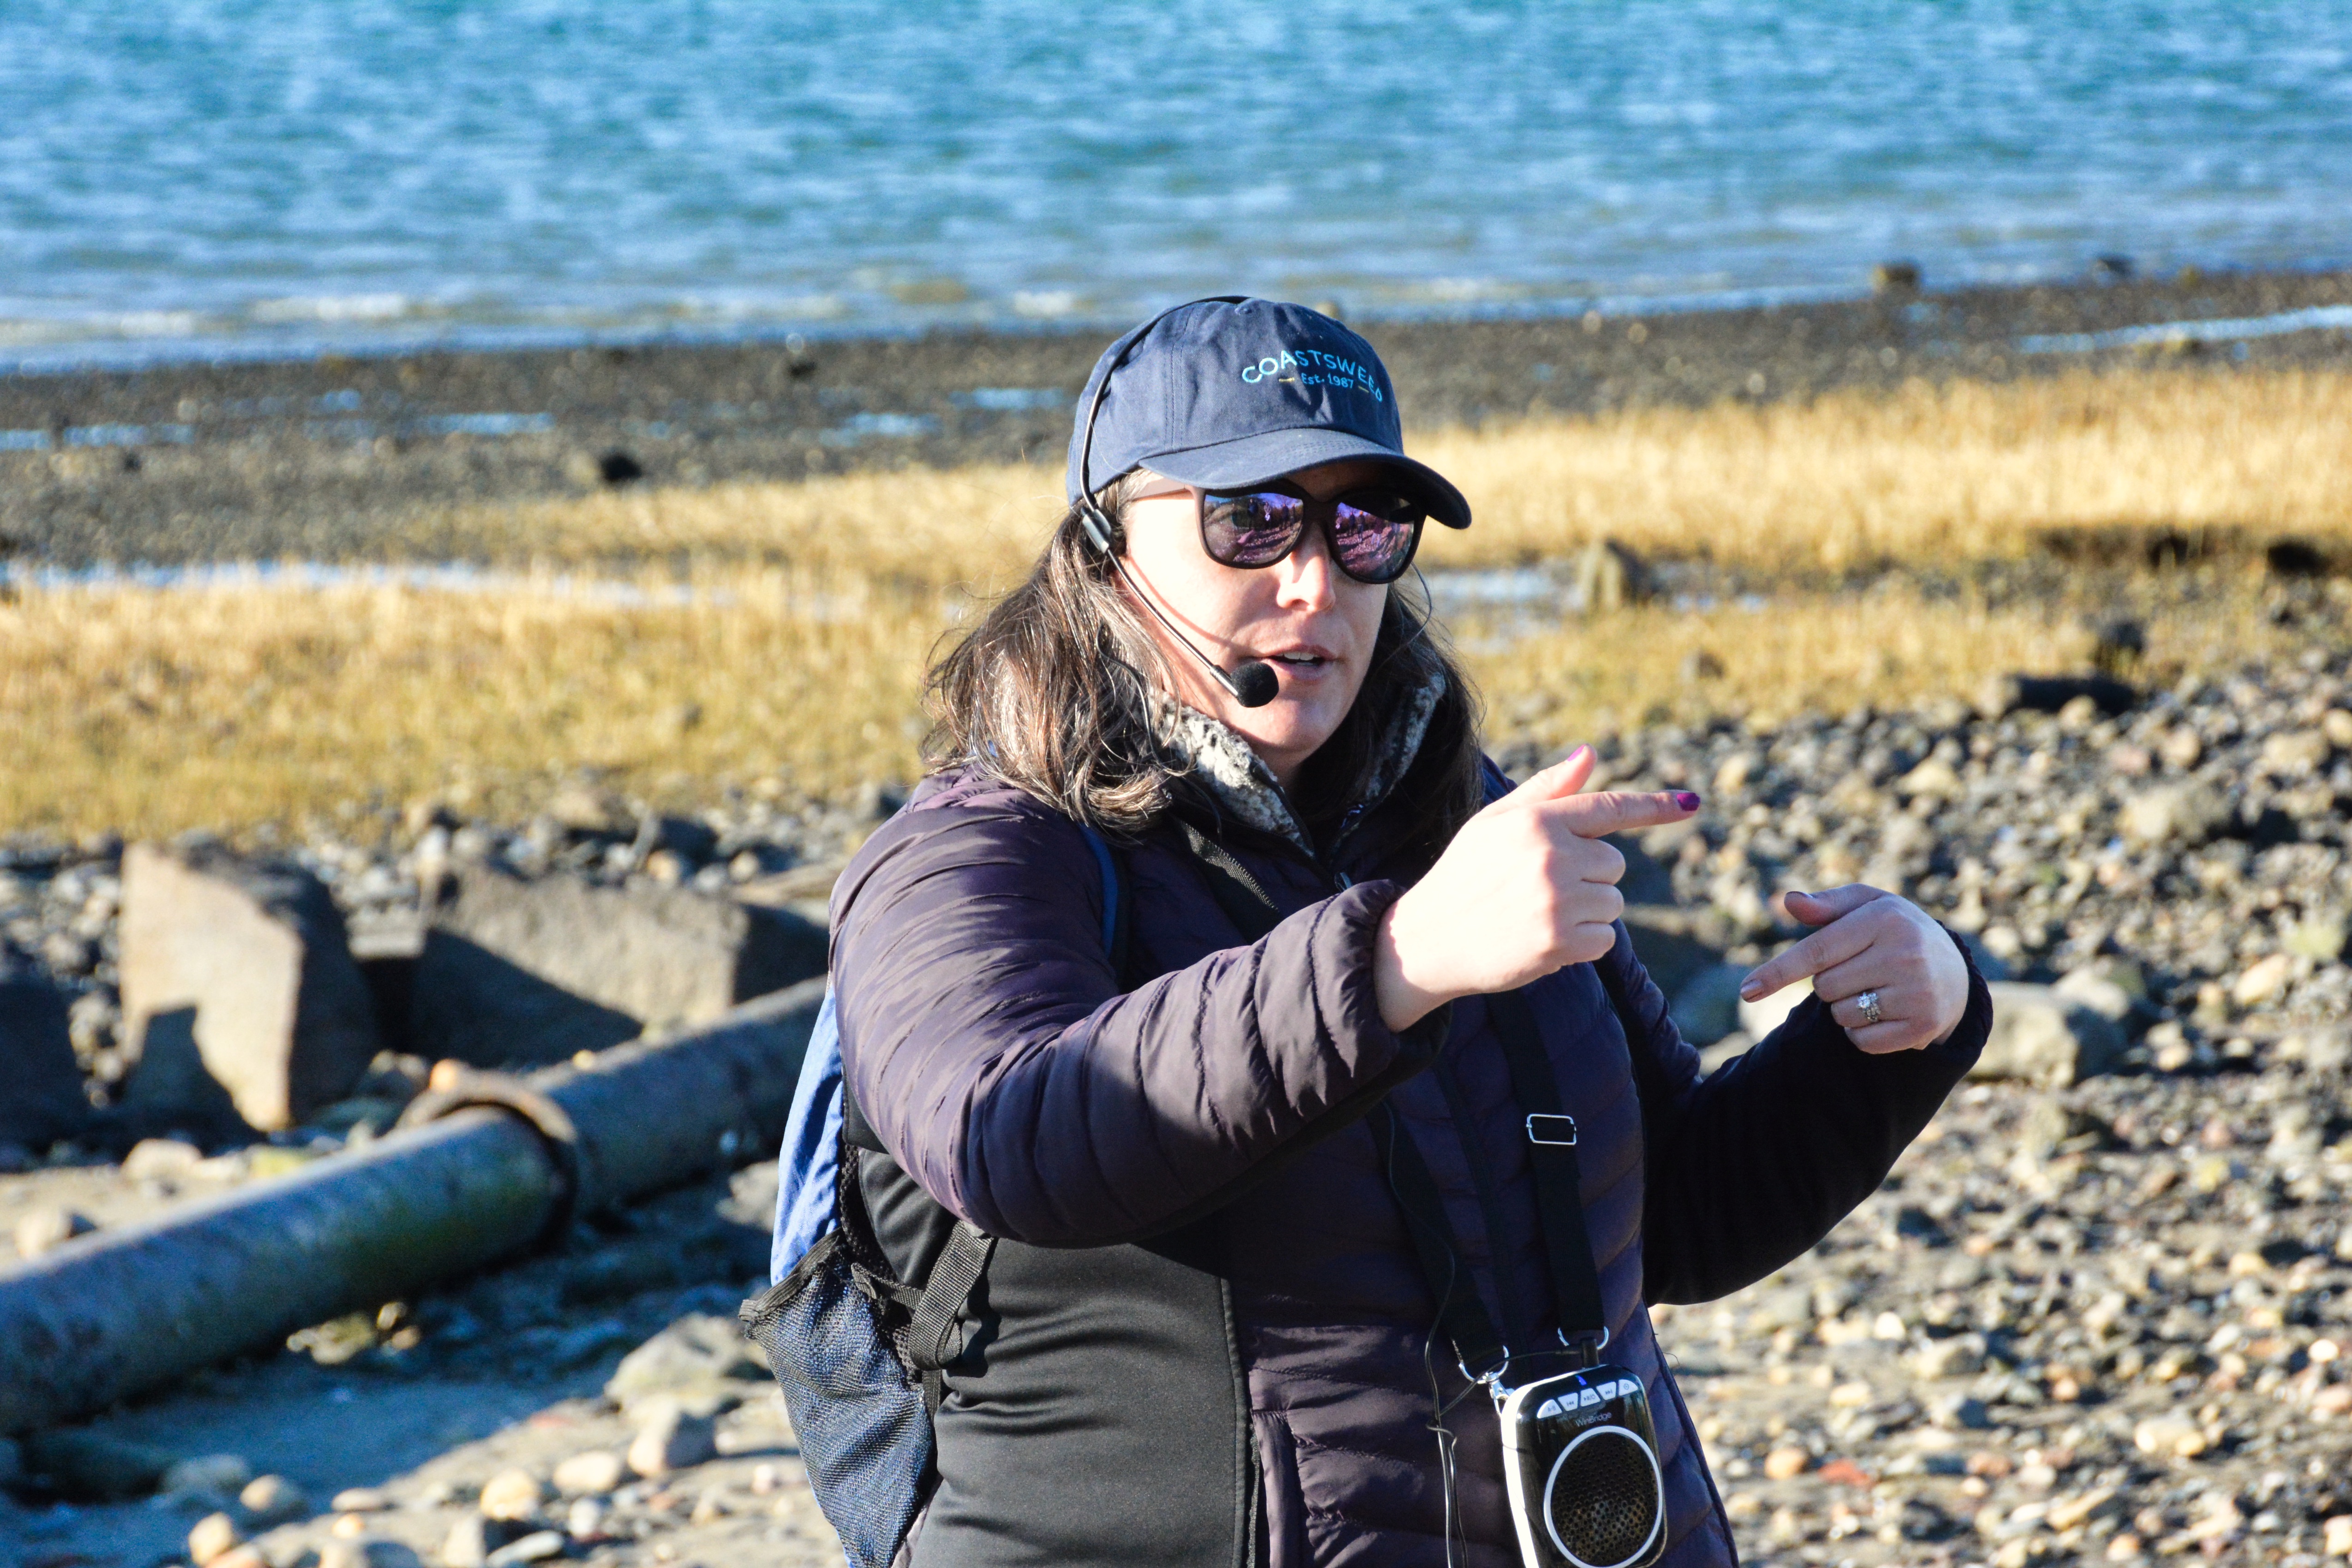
195,175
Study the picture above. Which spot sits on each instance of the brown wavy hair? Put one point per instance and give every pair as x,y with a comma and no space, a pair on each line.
1053,693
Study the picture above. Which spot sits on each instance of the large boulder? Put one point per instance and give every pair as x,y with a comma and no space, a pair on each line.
41,1098
237,981
516,972
2047,1035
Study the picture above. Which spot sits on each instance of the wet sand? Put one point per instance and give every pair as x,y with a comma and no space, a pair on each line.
337,457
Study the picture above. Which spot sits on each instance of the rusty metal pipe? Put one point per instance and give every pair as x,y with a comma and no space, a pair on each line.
120,1311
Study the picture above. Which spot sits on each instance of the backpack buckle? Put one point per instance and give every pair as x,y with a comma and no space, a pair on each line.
1551,1130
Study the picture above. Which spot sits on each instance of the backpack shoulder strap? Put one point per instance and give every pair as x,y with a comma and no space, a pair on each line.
931,1338
1118,939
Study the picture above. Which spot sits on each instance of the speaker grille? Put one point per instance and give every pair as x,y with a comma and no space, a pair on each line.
1603,1501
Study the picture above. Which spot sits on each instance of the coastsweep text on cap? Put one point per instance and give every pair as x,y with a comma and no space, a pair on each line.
1229,392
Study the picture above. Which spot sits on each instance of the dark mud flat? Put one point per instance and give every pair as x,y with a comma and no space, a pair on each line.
340,457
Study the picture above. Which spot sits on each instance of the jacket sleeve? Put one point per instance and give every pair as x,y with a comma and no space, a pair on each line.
984,1037
1747,1167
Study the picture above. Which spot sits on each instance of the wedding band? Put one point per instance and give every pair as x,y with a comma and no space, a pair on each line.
1868,1003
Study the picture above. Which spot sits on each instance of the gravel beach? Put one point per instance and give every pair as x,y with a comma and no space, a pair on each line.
2096,1316
338,458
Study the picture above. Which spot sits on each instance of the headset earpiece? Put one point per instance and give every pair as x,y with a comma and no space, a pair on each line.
1099,532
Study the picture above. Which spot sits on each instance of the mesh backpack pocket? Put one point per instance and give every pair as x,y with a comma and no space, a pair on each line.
863,1432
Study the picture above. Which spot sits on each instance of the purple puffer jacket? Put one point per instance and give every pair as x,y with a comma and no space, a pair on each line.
987,1040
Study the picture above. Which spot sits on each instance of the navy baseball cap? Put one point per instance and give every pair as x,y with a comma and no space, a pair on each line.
1229,392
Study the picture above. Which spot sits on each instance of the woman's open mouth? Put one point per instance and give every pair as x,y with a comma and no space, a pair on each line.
1303,659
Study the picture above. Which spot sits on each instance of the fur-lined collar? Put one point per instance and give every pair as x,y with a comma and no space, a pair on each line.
1216,756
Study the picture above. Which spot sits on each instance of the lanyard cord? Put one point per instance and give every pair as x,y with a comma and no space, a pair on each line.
1551,1155
1560,1207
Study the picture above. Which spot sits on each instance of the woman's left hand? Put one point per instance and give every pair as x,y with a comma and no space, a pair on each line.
1874,953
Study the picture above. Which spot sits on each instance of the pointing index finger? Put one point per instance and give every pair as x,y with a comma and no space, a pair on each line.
1615,812
1830,945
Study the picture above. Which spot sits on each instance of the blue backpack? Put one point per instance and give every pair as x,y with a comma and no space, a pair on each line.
858,1354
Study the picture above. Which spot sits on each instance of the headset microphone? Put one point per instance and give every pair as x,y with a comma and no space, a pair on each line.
1253,683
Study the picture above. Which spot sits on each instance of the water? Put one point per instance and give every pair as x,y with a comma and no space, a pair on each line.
196,177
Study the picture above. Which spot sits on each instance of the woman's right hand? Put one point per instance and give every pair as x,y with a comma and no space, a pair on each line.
1526,887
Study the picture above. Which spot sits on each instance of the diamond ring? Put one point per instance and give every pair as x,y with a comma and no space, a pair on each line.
1868,1003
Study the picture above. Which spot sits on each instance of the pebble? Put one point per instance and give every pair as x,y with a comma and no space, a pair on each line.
161,1159
671,1440
1786,1464
473,1538
273,1499
1959,1356
46,1229
537,1547
2263,980
512,1494
212,1538
224,1474
585,1520
2046,1037
598,1470
2169,1434
700,1363
2337,1538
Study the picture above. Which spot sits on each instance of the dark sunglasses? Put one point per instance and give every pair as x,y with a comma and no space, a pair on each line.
1372,532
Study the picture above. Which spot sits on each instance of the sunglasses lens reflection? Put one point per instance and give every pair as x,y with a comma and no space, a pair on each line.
1252,530
1374,539
1373,536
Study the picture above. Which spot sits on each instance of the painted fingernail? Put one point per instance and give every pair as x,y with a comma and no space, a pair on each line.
1750,990
1686,800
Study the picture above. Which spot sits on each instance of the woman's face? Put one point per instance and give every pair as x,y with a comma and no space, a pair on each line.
1312,622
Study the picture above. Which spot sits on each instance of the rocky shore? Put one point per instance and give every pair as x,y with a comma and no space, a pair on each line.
2098,1315
348,458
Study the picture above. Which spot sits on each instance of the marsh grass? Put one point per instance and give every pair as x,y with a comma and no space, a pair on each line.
150,712
1828,653
1927,476
792,664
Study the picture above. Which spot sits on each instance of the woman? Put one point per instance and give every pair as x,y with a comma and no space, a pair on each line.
1208,1333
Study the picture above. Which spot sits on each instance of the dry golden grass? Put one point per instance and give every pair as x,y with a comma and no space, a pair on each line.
1967,472
800,661
977,528
1821,651
148,712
